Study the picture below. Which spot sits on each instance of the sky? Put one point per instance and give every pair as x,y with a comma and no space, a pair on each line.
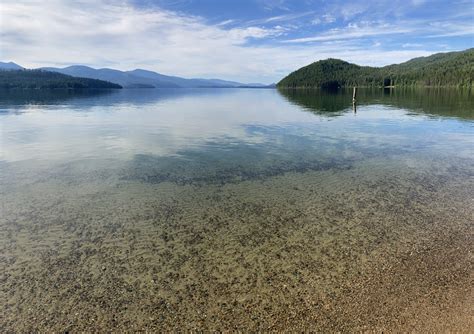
243,40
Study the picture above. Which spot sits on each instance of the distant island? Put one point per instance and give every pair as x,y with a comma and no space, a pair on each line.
40,79
441,69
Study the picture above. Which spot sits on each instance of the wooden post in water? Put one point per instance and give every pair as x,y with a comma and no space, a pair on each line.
354,95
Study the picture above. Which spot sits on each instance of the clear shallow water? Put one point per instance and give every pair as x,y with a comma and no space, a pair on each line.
233,208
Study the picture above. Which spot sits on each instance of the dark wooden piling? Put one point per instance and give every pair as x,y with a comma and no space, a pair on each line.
354,100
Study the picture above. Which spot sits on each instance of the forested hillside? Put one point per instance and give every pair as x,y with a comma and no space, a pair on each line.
38,79
442,69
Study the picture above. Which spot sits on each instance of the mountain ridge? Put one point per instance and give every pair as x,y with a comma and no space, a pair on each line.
138,78
10,66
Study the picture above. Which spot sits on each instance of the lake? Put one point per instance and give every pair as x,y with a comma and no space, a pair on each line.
236,209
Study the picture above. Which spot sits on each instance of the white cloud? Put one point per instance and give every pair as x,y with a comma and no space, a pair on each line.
352,31
37,33
449,29
411,45
324,19
226,22
281,18
115,34
271,5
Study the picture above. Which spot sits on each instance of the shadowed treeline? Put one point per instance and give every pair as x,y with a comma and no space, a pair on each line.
442,102
39,79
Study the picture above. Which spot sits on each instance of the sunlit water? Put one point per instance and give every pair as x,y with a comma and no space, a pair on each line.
231,208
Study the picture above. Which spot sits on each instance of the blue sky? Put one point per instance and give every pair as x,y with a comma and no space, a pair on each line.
244,40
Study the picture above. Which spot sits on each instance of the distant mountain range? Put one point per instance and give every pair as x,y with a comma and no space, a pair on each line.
441,69
138,78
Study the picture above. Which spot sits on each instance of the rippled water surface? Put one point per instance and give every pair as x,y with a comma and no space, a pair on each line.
244,209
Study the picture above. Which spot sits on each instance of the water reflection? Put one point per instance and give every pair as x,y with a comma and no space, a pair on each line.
431,101
123,123
175,122
321,102
11,98
18,98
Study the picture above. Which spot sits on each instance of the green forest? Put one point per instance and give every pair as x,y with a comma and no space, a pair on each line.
39,79
455,69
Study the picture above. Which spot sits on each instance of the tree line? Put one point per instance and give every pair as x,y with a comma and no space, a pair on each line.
39,79
442,69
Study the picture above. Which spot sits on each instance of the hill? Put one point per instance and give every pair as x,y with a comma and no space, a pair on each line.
39,79
441,69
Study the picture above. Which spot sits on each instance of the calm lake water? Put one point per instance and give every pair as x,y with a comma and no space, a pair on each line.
244,209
